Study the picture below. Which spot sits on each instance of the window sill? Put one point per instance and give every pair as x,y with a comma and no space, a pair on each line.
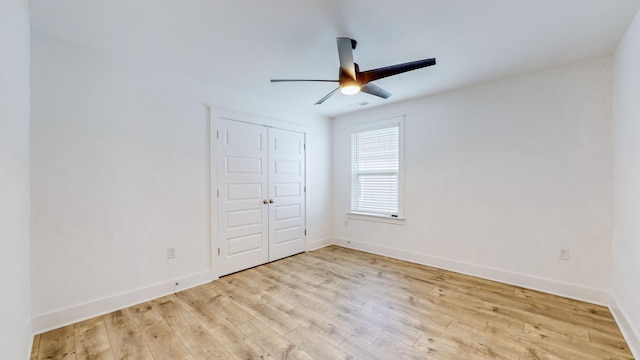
375,218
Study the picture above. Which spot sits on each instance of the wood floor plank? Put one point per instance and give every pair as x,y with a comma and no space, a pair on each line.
542,331
321,287
505,329
615,345
240,290
397,320
201,310
316,346
362,350
331,328
165,344
336,321
463,346
401,304
88,322
338,303
483,309
228,308
392,321
562,303
127,344
201,343
398,349
496,346
172,312
35,347
120,319
58,344
239,344
278,346
145,316
92,341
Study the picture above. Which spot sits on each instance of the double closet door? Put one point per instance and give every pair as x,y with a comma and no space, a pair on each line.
261,199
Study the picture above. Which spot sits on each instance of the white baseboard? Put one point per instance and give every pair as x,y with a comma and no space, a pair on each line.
317,244
629,331
56,319
28,331
595,296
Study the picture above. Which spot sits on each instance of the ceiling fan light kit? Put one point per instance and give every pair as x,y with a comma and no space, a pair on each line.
352,81
350,89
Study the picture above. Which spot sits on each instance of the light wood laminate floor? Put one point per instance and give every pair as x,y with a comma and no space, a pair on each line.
336,303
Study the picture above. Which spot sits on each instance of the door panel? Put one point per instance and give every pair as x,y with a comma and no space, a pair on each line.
288,189
287,235
244,218
286,212
242,215
261,201
286,184
237,192
245,244
242,165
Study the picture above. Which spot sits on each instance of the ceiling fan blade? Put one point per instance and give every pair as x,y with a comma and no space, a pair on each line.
326,97
375,90
290,80
345,53
375,74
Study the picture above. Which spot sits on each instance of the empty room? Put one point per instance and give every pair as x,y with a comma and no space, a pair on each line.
323,179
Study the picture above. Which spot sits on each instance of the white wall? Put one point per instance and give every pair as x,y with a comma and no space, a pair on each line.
120,172
15,313
626,182
499,177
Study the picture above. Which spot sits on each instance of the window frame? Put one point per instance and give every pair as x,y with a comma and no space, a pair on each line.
370,126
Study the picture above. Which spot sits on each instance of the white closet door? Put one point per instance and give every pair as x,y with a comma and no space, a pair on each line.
286,193
243,227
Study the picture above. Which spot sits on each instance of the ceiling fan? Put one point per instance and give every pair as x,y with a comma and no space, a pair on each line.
352,81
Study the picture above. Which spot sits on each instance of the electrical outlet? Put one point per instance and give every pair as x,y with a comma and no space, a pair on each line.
346,223
171,253
563,254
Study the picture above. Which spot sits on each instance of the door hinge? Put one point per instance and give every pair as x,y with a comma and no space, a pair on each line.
304,146
218,251
305,232
217,134
218,192
305,189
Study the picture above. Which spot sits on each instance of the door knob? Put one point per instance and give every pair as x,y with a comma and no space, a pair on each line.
270,201
265,201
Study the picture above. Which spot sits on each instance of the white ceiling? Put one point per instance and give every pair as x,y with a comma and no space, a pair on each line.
242,44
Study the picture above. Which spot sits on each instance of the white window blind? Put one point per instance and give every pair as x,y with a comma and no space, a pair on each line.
375,170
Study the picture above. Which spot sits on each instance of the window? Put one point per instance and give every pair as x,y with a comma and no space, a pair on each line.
376,168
